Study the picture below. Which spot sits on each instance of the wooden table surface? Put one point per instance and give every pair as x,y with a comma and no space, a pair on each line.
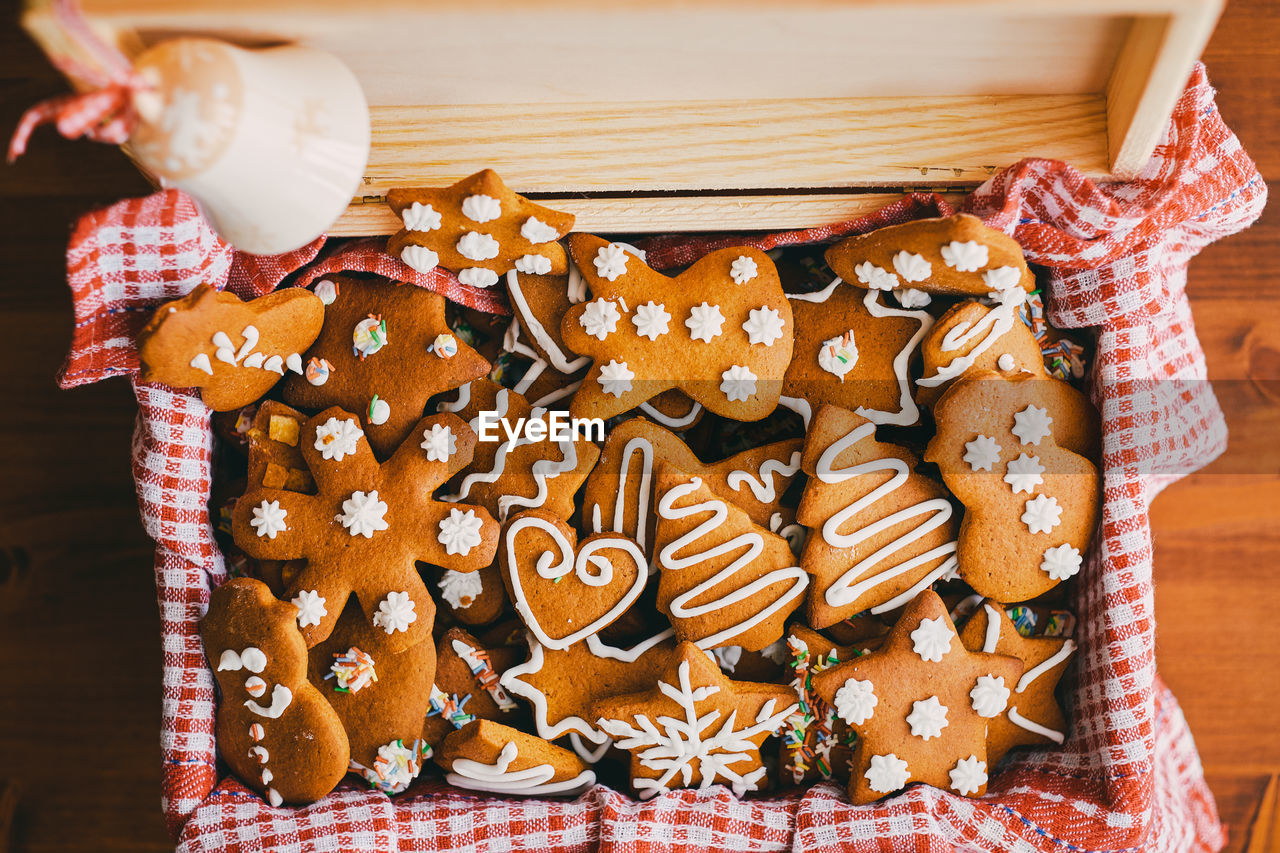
79,629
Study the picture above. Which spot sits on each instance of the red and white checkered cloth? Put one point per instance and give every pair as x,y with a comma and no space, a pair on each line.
1128,777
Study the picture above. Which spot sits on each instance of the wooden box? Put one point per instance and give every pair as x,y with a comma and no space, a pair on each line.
659,115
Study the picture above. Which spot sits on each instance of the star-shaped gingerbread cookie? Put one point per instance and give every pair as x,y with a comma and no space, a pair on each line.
721,331
368,524
479,229
912,704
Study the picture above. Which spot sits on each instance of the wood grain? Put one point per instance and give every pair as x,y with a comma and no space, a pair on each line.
79,729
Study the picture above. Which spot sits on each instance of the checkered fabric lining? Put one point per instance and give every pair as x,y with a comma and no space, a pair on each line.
1128,777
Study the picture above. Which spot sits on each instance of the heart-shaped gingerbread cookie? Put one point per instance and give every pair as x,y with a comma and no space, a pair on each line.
565,590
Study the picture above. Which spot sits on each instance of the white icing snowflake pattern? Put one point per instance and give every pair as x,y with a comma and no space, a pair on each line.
969,775
268,519
763,326
337,439
912,267
874,277
1031,425
969,256
533,264
704,322
615,378
928,718
362,514
856,701
989,696
599,318
932,639
310,606
1003,279
887,773
1041,514
420,258
460,589
673,747
460,531
1061,562
395,613
475,246
611,261
738,383
420,217
439,442
536,231
743,269
481,208
652,320
981,453
1023,473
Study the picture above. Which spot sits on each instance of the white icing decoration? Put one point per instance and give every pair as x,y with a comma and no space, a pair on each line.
704,322
281,697
475,246
909,297
255,686
671,423
1031,425
260,752
931,640
989,695
641,514
379,411
1003,278
738,383
229,661
615,378
363,514
481,208
995,324
460,589
1061,562
887,773
587,566
395,613
992,635
727,657
838,355
674,747
753,543
294,363
227,352
611,261
800,406
928,718
478,277
762,487
536,231
420,217
559,360
848,588
981,453
968,776
337,439
274,364
743,269
500,778
763,326
599,318
874,277
969,256
201,362
1034,727
268,519
1023,474
310,604
254,360
1029,677
273,797
912,267
856,701
1006,362
439,442
460,531
651,320
1041,514
533,264
464,400
477,663
420,258
327,291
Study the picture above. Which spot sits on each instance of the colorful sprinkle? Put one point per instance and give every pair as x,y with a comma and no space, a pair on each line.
370,335
1024,619
318,370
449,707
1060,623
445,345
477,660
353,670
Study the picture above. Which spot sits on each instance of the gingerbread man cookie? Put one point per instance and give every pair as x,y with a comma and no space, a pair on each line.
479,229
274,729
233,351
368,524
385,349
721,331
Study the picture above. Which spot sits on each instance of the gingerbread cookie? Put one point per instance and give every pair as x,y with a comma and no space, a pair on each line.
368,524
380,696
472,598
724,579
566,590
233,351
467,685
275,455
385,349
539,302
293,748
696,727
1031,505
488,756
853,351
953,256
721,331
817,744
479,229
881,532
911,704
1031,714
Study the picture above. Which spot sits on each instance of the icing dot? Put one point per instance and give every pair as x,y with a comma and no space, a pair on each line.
1006,363
379,410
